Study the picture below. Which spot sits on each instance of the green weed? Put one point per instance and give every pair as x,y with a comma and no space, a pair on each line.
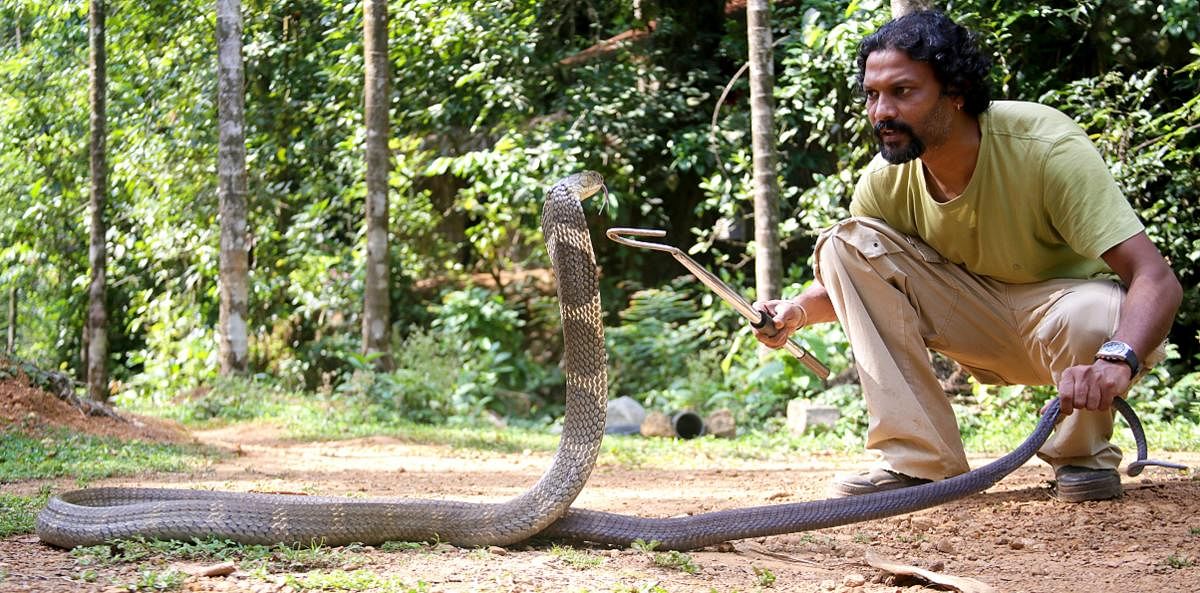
574,558
1179,561
764,577
354,580
395,546
153,580
672,559
18,513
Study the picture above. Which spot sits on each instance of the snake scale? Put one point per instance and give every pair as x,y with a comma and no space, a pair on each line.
95,515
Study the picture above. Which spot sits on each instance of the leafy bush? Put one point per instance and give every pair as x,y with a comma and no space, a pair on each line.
472,359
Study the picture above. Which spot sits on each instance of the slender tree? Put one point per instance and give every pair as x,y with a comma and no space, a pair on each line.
231,189
377,310
768,269
11,345
96,329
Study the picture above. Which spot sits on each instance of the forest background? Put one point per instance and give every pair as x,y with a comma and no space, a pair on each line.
491,102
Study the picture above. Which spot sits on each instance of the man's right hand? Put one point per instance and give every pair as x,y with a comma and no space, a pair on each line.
786,317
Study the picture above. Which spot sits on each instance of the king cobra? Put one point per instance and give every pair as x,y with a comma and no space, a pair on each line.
96,515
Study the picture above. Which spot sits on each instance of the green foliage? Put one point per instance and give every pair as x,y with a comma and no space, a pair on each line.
59,453
354,580
493,100
580,559
672,355
673,559
764,577
225,399
473,358
18,514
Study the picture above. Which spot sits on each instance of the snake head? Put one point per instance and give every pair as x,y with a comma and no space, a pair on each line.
584,184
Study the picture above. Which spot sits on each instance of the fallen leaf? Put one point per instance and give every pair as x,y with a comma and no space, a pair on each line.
963,584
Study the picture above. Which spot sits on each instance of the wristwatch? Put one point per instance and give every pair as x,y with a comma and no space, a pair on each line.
1119,352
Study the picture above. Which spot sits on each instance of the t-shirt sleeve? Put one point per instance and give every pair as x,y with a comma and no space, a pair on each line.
1083,200
865,201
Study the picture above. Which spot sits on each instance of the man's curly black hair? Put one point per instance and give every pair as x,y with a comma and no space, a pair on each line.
951,49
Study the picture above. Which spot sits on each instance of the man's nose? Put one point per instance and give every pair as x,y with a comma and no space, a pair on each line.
882,109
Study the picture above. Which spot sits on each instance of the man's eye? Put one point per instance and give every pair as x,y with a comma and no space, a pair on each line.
872,95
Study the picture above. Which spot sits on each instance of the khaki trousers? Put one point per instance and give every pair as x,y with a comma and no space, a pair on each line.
897,298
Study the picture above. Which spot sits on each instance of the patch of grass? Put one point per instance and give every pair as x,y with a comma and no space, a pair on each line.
1180,434
1194,531
677,560
764,577
640,588
136,550
671,559
996,425
276,558
58,453
1179,561
154,580
395,546
18,513
581,559
354,580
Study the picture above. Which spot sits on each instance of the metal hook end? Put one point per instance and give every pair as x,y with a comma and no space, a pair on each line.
616,234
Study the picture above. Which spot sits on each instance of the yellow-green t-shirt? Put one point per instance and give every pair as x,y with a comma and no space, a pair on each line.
1041,203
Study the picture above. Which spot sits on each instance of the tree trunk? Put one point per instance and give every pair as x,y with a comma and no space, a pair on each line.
377,310
11,346
768,270
96,361
903,7
231,189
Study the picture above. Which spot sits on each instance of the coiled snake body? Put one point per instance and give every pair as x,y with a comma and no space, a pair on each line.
93,516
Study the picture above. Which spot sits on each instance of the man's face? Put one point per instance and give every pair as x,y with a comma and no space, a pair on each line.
905,105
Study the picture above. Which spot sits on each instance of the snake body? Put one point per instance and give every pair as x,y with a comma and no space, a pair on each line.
683,533
92,516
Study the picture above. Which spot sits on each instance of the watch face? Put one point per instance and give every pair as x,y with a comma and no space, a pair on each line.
1115,348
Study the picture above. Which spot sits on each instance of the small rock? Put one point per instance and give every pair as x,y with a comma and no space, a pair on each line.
1016,544
802,415
937,566
215,570
922,523
854,580
657,424
497,550
945,546
828,585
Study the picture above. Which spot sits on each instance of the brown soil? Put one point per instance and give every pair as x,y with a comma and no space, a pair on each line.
1013,538
29,408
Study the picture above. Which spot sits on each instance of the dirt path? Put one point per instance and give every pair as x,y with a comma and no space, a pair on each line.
1015,537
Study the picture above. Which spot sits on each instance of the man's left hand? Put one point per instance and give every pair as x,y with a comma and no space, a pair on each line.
1093,386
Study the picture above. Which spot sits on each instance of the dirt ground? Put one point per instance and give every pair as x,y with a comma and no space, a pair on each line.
1013,538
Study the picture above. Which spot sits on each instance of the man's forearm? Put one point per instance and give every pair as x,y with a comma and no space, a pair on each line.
816,303
1147,313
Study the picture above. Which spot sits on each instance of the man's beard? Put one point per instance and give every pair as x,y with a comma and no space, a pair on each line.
899,153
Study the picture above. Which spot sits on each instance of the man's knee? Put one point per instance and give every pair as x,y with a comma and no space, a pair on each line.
1079,321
